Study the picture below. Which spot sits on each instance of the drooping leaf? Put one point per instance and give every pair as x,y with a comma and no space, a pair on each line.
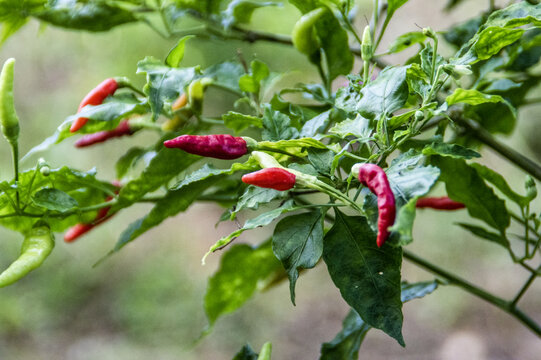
485,234
463,184
243,271
368,277
255,196
239,122
298,243
406,40
501,184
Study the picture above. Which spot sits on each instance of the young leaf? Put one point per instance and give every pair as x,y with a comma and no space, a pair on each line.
243,270
176,54
384,95
54,199
239,122
298,243
368,277
403,224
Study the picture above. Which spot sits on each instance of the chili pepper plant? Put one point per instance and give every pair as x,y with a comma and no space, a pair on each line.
340,166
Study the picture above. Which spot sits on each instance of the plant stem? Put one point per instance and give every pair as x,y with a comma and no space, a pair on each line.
15,153
523,289
506,306
512,155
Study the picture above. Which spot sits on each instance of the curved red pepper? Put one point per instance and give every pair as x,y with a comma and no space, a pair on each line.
439,203
271,178
122,129
79,230
225,147
373,177
95,97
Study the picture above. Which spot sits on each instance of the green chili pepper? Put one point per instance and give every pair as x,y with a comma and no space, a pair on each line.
367,49
37,245
8,116
304,33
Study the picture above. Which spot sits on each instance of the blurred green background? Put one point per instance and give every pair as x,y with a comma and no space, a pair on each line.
146,301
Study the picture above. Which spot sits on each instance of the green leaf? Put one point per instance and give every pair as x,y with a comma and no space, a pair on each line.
164,83
403,225
368,277
259,221
243,271
14,14
460,34
240,11
335,45
487,235
321,160
82,187
102,117
463,184
126,161
384,95
392,6
298,243
265,352
426,60
163,167
346,344
418,81
174,202
451,150
225,75
471,97
238,122
406,40
254,196
85,15
296,147
499,181
358,127
316,126
246,353
277,126
176,54
54,199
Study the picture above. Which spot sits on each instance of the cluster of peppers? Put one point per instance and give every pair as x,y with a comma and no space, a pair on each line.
272,176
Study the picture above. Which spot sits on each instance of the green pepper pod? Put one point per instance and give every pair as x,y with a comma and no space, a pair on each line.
304,34
37,245
8,117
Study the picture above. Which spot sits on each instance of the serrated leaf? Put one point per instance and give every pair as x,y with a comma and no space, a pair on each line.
298,243
368,277
164,83
243,271
277,126
54,199
384,95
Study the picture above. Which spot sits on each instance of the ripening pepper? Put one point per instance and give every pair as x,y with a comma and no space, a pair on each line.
373,177
221,146
8,117
95,97
122,129
271,178
439,203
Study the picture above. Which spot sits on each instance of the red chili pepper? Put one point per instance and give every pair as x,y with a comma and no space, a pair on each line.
373,177
216,146
271,178
79,230
121,130
95,97
440,203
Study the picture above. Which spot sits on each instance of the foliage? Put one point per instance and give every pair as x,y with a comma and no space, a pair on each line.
423,121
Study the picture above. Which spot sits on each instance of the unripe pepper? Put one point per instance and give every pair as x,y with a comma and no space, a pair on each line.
271,178
373,177
304,33
8,117
95,97
439,203
37,245
216,146
122,129
177,119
